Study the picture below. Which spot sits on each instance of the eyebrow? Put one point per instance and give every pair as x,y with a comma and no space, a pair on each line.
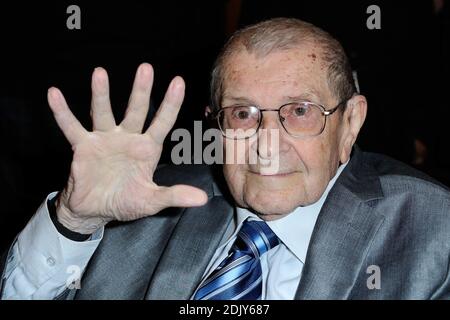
238,99
308,96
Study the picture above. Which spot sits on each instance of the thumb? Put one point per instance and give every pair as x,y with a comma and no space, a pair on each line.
182,196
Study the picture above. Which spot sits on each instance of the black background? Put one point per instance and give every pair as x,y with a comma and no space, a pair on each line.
403,70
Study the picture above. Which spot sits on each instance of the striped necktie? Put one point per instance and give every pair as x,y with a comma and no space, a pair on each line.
239,276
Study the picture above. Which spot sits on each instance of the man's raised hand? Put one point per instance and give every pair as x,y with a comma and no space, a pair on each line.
111,175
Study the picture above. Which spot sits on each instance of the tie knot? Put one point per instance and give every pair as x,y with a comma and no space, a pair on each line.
257,237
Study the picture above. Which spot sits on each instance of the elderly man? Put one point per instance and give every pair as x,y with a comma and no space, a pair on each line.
327,222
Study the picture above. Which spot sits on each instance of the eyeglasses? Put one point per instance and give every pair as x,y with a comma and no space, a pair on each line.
299,119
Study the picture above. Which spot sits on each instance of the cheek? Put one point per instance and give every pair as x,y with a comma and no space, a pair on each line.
318,158
235,178
236,158
311,153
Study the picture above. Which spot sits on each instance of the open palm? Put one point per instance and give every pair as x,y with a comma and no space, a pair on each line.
112,170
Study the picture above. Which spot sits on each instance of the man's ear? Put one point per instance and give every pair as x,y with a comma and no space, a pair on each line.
208,111
353,117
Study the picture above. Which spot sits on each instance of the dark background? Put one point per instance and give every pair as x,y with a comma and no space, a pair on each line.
403,70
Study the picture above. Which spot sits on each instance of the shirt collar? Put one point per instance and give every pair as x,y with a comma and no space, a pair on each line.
296,228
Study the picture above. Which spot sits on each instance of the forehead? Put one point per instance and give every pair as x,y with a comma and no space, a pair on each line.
280,74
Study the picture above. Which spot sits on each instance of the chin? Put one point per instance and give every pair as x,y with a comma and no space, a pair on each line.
271,196
272,205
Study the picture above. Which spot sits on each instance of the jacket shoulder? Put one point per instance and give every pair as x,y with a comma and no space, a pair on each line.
398,176
411,246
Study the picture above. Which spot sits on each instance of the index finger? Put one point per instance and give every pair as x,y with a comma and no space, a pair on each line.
167,113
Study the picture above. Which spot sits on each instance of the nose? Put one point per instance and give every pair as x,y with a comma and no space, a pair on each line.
268,142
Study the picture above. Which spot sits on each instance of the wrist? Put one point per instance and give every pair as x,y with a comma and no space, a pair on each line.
69,234
84,226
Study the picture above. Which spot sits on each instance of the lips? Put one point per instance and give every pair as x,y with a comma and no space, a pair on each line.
271,174
274,169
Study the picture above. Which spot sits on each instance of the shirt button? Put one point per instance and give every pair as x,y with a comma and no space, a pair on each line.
51,261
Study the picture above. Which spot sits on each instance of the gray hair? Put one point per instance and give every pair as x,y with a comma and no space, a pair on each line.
282,34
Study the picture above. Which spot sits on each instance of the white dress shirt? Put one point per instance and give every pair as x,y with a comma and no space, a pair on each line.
282,265
42,262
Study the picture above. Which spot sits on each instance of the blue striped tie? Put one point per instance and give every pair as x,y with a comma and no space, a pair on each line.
239,276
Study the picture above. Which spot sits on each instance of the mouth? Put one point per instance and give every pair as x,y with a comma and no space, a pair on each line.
279,174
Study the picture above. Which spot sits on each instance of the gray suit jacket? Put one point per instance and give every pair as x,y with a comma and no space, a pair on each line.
379,213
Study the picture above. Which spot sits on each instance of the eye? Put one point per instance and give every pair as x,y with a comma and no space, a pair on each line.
242,114
300,110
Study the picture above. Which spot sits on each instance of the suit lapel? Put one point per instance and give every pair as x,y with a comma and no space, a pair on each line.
191,248
342,235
